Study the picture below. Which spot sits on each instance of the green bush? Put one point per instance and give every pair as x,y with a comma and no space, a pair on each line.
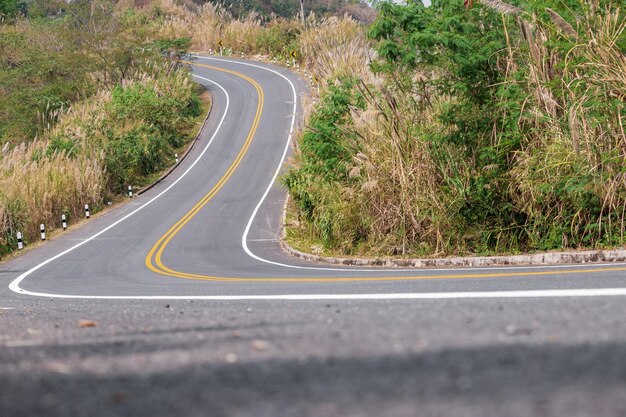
134,155
323,155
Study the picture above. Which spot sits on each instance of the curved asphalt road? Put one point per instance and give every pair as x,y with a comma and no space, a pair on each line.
185,237
164,275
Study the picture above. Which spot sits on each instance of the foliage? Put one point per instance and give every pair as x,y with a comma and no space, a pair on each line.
494,129
36,79
94,100
324,154
8,8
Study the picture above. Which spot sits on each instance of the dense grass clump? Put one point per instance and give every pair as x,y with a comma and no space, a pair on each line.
37,188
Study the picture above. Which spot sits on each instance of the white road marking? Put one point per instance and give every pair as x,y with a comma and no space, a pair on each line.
593,292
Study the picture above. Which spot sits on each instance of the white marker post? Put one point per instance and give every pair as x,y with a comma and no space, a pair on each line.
63,222
87,210
241,54
176,157
20,243
43,231
130,191
298,67
287,63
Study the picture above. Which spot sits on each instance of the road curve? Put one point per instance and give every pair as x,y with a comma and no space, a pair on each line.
210,230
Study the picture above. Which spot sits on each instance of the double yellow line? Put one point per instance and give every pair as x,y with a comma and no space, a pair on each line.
154,260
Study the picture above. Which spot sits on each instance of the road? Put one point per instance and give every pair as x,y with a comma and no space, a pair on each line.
196,310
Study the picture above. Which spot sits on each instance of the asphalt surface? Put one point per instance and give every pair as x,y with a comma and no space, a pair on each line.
192,308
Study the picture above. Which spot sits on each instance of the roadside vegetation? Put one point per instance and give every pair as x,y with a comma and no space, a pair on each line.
498,128
92,101
254,35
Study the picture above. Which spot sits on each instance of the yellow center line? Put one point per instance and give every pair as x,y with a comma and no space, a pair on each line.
154,260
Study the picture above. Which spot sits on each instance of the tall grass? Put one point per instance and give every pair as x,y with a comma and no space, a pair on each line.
334,48
400,174
208,24
543,169
330,46
133,128
36,187
570,171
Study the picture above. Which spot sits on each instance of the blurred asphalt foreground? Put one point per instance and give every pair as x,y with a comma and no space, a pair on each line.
526,357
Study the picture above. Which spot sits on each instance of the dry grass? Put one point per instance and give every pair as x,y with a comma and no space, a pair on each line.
578,136
206,25
87,122
35,188
573,149
330,47
64,168
399,175
38,185
405,192
335,48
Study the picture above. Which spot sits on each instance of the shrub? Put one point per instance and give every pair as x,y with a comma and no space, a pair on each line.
322,159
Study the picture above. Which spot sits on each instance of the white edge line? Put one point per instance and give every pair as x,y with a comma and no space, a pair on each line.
558,293
14,286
